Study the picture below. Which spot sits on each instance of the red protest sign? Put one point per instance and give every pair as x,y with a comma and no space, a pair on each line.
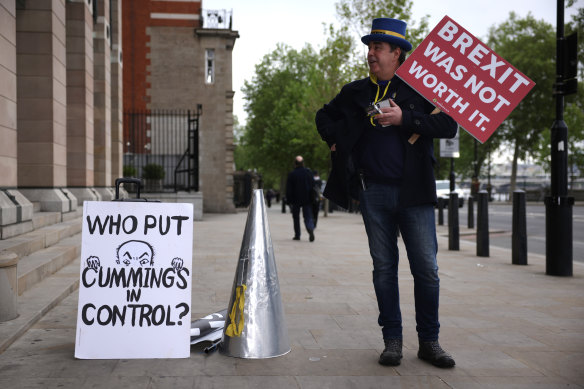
463,77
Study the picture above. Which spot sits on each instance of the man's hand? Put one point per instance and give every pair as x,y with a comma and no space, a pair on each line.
334,147
391,116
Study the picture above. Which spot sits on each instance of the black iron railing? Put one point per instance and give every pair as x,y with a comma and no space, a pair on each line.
189,163
168,138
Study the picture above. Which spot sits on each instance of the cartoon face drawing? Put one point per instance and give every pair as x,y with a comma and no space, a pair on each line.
135,253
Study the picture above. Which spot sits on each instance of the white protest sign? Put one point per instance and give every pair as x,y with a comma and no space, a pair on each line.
135,281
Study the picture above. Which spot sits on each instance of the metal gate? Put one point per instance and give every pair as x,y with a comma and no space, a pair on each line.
167,138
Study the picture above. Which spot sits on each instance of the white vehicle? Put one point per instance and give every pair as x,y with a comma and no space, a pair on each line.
443,192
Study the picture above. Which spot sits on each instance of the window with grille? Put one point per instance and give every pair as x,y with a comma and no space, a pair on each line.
209,66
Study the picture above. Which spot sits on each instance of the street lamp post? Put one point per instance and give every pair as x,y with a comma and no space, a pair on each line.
558,204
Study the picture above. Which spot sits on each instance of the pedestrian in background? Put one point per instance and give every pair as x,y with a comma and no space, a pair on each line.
316,196
269,196
298,188
380,132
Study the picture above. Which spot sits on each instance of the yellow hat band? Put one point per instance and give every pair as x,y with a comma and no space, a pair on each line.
387,32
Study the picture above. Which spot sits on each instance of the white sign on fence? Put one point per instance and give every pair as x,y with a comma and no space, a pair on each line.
450,148
135,281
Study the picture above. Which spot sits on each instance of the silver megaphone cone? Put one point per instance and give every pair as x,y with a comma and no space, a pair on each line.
255,326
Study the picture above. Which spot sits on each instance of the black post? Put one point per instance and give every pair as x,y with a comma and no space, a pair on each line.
475,184
558,249
453,230
471,211
519,228
283,204
440,211
483,224
452,177
489,186
559,205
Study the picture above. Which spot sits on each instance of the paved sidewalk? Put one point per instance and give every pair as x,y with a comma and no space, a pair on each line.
506,326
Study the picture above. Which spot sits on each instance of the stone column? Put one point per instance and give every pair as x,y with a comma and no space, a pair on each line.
80,100
8,161
102,100
15,209
8,286
216,129
117,97
41,103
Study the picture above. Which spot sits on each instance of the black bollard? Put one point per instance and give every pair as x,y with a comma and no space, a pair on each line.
519,234
283,204
470,212
453,230
559,236
483,224
440,211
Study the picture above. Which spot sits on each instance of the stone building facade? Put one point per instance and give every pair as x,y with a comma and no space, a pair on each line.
61,139
62,81
179,56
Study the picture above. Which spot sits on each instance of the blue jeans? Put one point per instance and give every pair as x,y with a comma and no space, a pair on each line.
383,217
306,214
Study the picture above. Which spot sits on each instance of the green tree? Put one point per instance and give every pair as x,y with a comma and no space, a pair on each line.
240,153
289,86
574,118
467,163
358,14
573,110
529,45
279,125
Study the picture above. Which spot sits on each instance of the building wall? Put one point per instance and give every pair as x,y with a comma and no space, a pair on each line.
177,80
79,94
117,108
52,90
8,134
164,68
216,139
63,77
134,38
41,94
102,115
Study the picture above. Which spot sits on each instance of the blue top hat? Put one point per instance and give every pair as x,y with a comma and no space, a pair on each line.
390,31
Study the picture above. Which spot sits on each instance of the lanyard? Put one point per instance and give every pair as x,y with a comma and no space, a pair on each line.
377,98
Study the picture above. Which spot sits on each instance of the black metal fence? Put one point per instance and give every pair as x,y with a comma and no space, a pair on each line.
244,184
167,138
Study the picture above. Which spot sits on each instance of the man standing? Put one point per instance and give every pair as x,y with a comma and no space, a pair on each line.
380,132
298,189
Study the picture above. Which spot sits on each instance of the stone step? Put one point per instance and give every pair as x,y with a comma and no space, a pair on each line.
36,206
41,264
35,302
47,270
41,238
42,219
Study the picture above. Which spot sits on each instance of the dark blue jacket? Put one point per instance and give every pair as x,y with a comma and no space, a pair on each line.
343,120
300,181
